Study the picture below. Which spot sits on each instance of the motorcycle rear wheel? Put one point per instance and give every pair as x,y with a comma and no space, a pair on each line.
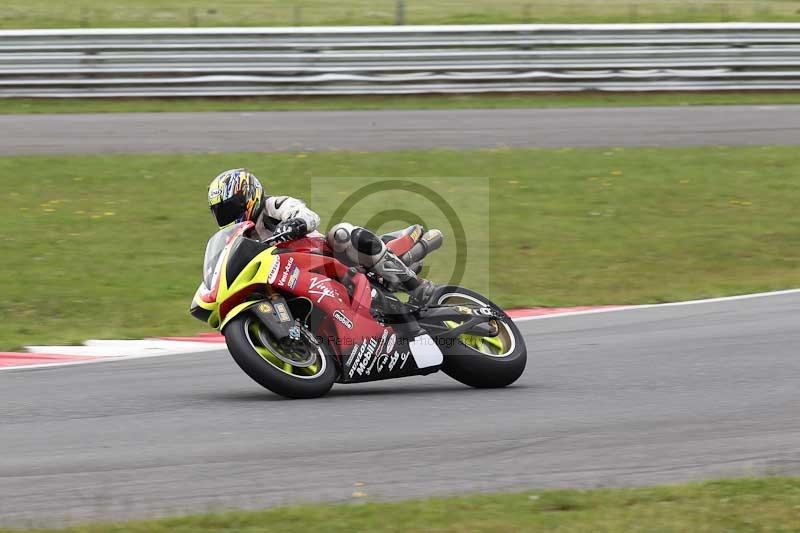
309,374
482,362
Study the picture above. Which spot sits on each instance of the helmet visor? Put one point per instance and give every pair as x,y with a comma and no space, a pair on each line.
229,211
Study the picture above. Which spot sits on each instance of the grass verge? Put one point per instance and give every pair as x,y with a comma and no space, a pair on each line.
768,504
111,246
149,13
331,103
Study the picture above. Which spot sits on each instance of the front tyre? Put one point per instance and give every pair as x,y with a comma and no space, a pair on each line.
304,370
482,362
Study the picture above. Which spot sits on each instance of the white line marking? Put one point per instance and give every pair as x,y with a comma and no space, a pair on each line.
125,348
670,304
113,350
62,363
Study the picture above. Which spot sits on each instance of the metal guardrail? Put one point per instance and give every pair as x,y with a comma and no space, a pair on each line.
398,59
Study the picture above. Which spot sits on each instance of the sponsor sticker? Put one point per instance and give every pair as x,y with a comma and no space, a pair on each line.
265,308
383,341
320,288
390,344
342,318
293,277
285,274
214,196
393,360
361,364
283,313
357,360
380,362
352,356
273,272
397,356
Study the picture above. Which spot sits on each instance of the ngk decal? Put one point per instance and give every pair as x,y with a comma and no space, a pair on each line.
383,341
391,343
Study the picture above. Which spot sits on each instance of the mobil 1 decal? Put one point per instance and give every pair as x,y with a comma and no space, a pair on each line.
377,357
360,357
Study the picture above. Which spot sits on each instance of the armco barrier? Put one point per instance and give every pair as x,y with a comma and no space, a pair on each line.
398,59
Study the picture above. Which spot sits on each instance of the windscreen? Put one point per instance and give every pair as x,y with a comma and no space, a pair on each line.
214,248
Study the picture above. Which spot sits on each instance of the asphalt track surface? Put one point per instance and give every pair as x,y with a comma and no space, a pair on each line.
398,130
628,397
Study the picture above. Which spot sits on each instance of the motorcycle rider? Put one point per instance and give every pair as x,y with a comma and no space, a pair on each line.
236,195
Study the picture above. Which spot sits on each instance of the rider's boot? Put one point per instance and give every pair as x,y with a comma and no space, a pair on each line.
364,247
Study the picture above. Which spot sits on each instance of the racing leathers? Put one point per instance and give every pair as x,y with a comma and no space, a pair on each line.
353,244
284,213
360,246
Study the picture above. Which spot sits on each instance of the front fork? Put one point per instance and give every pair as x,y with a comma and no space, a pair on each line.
275,315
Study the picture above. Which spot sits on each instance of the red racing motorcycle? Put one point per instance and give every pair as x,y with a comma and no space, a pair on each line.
297,320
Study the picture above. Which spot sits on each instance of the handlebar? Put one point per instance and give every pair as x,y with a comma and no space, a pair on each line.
276,238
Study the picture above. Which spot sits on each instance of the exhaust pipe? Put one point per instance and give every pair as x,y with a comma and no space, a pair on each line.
431,240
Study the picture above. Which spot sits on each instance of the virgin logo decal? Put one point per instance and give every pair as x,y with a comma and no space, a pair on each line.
320,288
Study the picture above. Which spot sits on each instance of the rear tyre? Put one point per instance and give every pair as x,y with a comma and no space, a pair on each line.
305,371
482,362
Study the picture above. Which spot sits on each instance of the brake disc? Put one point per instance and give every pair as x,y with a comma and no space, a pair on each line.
294,352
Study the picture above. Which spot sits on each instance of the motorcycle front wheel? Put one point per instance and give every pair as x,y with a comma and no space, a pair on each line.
304,369
481,361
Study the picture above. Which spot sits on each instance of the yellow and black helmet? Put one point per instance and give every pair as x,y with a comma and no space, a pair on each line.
235,196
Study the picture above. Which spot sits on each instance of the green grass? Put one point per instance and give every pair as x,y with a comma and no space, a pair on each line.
483,101
133,13
768,504
111,246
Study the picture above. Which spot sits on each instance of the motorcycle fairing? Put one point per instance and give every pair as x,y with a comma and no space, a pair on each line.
207,298
367,350
384,357
378,359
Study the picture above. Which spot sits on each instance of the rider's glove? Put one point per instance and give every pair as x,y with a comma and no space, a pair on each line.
291,229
